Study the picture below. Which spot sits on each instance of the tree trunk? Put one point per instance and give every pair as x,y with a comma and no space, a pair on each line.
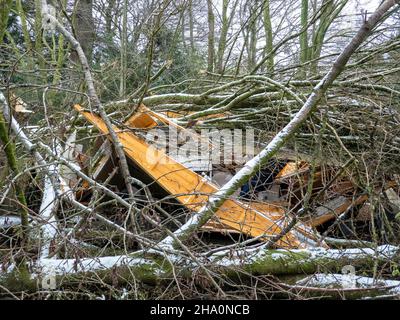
330,11
192,47
211,36
252,31
222,37
268,36
9,149
109,19
154,268
5,7
124,49
304,35
8,144
84,28
39,42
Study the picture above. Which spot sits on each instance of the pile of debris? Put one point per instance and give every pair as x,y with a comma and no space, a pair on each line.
88,222
290,200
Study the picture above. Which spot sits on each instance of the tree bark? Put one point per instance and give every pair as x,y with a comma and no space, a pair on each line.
211,36
304,34
154,267
252,34
222,37
9,148
268,36
191,25
84,27
124,49
5,7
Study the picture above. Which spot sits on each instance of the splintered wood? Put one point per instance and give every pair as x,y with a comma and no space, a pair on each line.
193,191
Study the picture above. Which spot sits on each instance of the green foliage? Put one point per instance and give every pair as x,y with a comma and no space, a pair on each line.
395,269
185,64
5,7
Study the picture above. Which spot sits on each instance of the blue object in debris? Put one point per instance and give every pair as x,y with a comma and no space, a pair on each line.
260,181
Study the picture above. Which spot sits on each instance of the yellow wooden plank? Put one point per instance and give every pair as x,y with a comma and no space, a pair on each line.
141,119
193,191
292,168
138,121
335,212
174,114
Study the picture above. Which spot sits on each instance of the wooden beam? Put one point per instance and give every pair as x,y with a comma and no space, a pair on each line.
333,209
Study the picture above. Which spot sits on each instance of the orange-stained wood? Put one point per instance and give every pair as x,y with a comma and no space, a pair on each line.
141,119
193,191
335,212
292,168
174,114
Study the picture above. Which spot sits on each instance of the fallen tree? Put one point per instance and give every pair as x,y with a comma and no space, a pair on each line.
342,286
155,266
254,165
172,257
